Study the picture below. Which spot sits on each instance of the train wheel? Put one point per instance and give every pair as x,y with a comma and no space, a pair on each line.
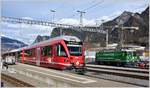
101,62
118,64
123,64
81,71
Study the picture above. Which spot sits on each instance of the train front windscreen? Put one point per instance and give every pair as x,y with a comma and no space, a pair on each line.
74,48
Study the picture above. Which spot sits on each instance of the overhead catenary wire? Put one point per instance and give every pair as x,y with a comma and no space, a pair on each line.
92,6
88,8
74,14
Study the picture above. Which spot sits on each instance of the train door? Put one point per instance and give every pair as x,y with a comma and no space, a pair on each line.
46,54
60,54
38,57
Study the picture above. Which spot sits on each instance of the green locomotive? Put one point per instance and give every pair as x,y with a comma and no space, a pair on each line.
119,58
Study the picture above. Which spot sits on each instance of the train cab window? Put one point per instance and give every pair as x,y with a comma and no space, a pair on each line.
60,51
46,51
75,50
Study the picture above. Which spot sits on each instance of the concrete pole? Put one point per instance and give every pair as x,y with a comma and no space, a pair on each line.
107,38
121,42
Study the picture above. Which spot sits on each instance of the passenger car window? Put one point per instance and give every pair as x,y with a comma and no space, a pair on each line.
30,52
46,51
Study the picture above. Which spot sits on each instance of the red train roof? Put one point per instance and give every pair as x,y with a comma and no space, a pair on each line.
64,37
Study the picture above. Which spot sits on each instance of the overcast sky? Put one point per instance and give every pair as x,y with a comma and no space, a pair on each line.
66,12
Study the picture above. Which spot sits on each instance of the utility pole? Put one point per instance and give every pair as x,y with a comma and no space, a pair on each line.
107,37
97,22
53,16
121,37
81,17
60,30
20,58
0,49
102,23
102,27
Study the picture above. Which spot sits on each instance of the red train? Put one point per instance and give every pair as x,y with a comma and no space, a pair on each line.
64,52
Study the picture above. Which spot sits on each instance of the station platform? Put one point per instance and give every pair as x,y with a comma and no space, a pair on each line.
46,77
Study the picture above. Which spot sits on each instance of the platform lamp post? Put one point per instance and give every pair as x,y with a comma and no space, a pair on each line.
53,18
53,15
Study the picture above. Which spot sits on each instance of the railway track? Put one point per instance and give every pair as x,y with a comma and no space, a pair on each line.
120,71
16,82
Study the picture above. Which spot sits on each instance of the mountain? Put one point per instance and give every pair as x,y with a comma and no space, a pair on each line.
9,44
129,19
41,38
123,18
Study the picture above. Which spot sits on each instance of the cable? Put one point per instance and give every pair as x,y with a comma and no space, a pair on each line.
94,5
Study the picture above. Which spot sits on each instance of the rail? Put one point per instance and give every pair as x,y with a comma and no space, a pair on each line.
16,82
120,71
